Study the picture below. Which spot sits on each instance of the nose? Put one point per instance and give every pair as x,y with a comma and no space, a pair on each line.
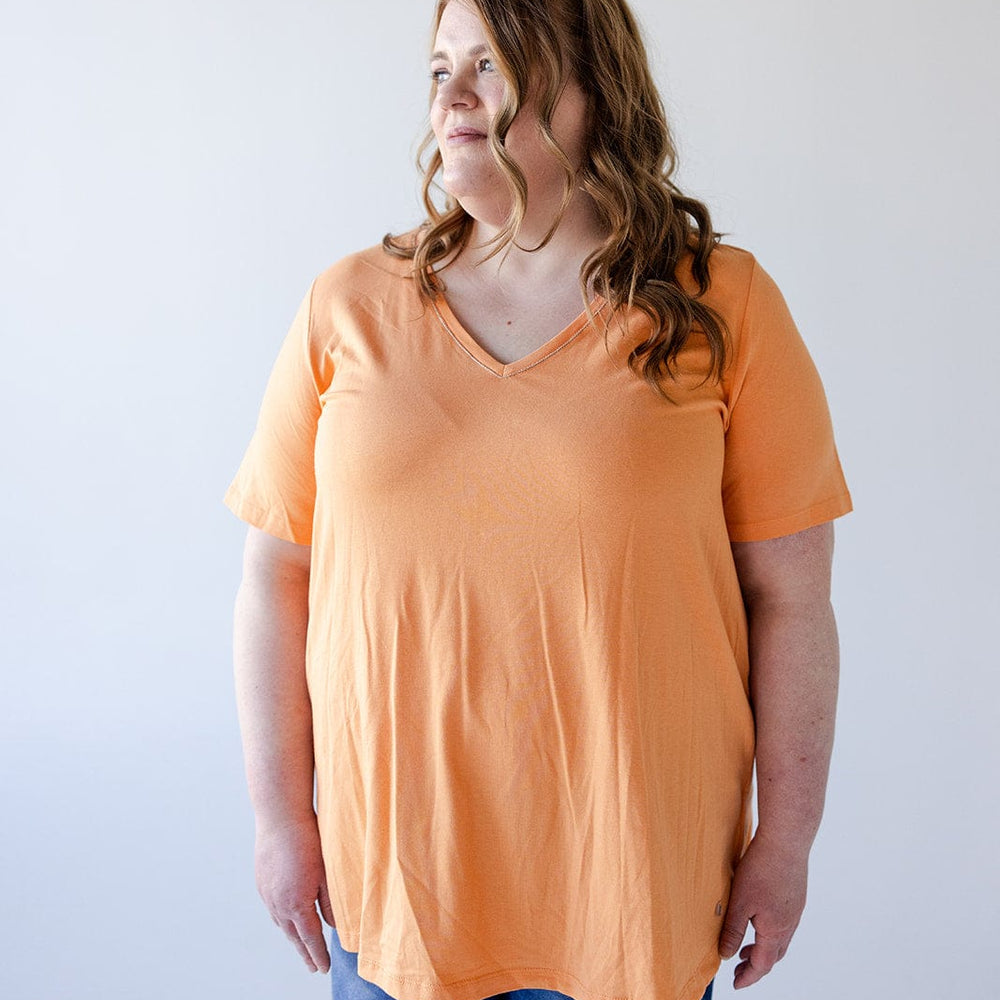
455,92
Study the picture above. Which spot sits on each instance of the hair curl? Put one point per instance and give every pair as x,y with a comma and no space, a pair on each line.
627,167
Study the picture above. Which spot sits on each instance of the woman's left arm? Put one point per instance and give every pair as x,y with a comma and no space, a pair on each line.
794,661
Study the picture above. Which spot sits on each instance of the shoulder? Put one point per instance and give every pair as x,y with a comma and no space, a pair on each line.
359,275
731,272
739,287
362,290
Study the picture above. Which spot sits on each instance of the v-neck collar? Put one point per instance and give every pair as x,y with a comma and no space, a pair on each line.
481,356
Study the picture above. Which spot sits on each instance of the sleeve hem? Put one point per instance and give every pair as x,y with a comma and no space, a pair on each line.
760,531
267,520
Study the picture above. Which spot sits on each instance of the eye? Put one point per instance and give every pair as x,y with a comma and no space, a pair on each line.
483,65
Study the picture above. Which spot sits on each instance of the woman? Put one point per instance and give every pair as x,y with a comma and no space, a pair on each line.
528,588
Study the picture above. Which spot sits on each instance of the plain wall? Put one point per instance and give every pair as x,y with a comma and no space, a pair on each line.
174,175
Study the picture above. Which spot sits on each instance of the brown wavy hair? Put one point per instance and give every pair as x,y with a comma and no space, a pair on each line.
629,159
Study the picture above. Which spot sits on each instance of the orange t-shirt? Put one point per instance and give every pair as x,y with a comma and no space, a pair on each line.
527,648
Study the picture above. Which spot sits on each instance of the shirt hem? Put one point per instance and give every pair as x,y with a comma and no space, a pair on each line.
404,987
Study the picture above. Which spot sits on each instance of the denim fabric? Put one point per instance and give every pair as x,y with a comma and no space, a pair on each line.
348,985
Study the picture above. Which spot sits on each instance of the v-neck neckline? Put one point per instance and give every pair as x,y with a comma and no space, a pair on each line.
479,354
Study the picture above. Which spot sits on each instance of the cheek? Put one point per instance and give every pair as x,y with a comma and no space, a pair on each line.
568,126
437,117
524,140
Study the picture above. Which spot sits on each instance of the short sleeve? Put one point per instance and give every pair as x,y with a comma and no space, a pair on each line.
782,473
275,486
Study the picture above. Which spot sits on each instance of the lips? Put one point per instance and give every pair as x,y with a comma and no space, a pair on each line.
466,130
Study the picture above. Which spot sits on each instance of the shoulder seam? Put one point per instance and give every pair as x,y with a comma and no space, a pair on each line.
735,388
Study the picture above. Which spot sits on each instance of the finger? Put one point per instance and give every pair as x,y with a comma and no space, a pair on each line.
743,976
738,973
746,975
758,960
292,933
766,951
324,904
733,930
310,930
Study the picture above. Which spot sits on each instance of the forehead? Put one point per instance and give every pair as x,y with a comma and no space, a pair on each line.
460,26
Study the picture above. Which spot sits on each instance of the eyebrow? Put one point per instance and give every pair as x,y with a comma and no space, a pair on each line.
472,52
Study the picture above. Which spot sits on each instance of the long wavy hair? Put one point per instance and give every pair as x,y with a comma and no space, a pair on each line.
629,159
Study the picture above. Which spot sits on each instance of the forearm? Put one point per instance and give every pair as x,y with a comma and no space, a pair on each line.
794,663
273,703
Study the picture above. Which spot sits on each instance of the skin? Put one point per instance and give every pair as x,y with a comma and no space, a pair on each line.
794,660
275,715
469,91
785,581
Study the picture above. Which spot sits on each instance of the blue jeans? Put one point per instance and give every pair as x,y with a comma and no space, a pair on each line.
348,985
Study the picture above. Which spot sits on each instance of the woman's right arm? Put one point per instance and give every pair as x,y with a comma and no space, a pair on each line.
275,715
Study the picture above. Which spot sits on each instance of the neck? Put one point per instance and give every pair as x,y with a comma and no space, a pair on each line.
577,236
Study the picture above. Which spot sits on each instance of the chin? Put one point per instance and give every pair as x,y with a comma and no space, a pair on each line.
468,187
478,192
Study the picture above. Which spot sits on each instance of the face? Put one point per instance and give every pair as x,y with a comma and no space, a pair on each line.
469,92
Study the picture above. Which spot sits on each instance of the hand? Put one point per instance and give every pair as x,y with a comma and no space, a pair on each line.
769,890
291,880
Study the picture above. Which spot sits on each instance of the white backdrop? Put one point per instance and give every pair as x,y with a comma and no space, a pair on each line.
172,178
